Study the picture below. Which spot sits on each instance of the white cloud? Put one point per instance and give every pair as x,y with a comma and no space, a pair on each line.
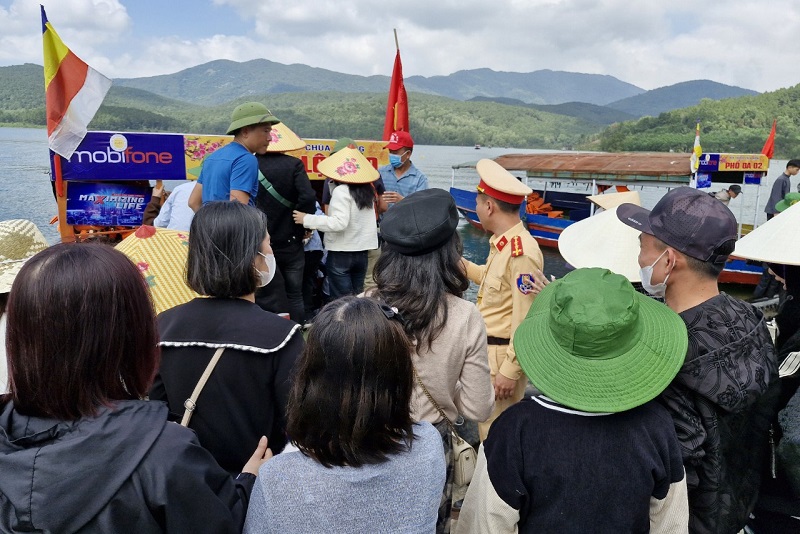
175,54
650,44
86,26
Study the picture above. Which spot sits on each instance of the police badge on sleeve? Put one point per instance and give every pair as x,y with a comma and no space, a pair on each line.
525,283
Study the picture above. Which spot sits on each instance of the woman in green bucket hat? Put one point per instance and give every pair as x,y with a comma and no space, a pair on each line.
592,452
231,172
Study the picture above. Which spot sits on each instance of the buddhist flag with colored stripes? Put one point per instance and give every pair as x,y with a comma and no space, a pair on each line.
73,92
697,151
397,105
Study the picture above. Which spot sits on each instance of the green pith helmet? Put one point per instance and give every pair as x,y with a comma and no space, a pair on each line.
344,142
789,200
250,113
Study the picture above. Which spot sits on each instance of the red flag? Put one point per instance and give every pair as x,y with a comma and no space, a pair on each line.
769,146
397,105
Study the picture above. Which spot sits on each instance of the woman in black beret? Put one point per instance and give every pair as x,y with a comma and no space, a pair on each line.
420,273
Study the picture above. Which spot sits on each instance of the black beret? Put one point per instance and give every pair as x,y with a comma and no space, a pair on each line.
420,223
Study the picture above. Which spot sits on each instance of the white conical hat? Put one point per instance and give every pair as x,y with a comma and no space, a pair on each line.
775,241
612,200
20,240
602,241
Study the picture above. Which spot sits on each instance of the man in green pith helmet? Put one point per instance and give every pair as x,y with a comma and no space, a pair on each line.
231,172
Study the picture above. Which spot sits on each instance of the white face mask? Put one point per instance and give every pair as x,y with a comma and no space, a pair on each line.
265,278
657,290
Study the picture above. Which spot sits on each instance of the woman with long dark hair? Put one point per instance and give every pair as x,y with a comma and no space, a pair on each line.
363,465
80,451
350,228
248,386
420,273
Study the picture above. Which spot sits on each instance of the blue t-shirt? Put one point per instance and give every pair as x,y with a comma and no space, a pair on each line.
229,168
411,181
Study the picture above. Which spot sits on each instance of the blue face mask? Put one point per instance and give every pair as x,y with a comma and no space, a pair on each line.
395,160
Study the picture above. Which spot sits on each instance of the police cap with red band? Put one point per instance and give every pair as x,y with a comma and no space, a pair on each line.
500,184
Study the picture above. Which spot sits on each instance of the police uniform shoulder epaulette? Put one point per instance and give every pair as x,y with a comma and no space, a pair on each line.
516,246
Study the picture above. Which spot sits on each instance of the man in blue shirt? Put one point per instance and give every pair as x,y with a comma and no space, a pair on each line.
401,177
397,180
231,172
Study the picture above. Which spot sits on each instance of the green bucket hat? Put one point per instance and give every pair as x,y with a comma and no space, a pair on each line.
789,200
250,113
592,343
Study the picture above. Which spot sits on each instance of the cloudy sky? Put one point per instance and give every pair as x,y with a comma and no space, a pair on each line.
650,43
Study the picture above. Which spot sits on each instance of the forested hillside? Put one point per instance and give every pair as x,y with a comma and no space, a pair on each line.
434,120
733,125
679,95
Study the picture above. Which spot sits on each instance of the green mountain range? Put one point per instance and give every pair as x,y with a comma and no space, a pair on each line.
435,119
680,95
603,115
221,81
731,125
479,106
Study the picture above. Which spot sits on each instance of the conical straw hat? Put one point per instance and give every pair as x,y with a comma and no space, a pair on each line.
612,200
602,241
775,241
284,139
20,240
161,255
348,166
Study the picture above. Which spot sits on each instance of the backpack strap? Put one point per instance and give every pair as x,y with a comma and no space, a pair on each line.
271,190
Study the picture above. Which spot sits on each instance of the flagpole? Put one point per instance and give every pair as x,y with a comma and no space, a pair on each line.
59,176
66,231
758,201
396,42
741,217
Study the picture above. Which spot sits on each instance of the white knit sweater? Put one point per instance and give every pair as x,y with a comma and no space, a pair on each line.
347,228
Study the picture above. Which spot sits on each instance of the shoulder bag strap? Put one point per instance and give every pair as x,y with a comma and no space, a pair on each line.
436,405
271,190
191,403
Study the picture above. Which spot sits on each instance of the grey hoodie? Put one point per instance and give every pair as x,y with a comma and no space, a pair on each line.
125,470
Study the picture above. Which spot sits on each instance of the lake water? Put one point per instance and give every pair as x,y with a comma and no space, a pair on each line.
26,190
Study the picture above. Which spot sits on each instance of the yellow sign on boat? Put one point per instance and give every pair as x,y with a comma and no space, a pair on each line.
743,162
317,150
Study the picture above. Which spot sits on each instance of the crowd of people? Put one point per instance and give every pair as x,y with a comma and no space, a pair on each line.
219,415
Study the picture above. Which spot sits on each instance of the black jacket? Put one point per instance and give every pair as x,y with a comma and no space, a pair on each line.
722,402
288,176
246,394
125,470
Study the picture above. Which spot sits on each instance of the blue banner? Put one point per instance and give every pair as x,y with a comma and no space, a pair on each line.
753,177
703,180
126,156
708,163
105,204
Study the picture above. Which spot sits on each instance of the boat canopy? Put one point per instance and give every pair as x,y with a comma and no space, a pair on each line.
600,166
655,168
